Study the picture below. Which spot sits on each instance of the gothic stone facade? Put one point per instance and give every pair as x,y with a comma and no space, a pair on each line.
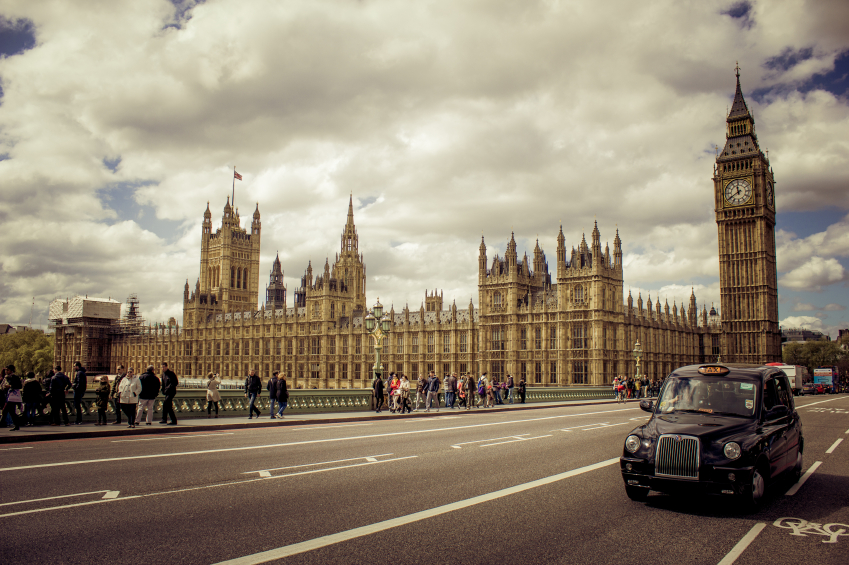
578,329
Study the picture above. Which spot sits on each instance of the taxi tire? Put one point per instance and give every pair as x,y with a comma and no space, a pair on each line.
797,469
638,494
754,492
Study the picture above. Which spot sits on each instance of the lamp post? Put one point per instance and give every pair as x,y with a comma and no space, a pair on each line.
638,354
378,326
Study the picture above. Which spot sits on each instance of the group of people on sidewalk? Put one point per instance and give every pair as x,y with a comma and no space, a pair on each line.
628,387
466,392
278,393
24,402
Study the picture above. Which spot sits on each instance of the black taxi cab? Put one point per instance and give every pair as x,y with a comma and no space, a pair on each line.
725,429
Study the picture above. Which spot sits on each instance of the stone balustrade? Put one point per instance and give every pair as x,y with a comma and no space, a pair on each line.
191,403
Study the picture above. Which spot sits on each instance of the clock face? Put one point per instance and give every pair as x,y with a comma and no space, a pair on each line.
770,198
738,192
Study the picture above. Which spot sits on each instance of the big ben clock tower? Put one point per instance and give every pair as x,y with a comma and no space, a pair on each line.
745,216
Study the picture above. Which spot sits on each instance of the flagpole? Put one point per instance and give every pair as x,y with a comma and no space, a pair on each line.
234,187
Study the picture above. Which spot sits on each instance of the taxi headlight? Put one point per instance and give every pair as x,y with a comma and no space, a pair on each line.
632,444
732,450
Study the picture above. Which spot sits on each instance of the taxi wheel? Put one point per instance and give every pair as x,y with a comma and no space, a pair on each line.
754,492
797,470
638,494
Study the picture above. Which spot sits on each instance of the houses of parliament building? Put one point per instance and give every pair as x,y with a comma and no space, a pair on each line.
578,329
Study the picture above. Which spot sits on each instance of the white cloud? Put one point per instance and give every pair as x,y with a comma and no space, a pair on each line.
807,322
814,275
448,119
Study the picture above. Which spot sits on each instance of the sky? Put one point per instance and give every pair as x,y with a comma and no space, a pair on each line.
445,121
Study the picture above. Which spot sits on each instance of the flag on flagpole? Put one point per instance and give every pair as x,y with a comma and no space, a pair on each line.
237,175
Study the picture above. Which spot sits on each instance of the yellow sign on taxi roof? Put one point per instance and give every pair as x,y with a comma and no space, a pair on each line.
714,370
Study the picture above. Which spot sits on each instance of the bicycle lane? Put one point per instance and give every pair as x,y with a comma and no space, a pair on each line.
808,523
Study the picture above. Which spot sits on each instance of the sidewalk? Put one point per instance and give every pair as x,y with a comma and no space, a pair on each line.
88,430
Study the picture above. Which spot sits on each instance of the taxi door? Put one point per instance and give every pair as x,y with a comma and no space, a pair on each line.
774,430
785,396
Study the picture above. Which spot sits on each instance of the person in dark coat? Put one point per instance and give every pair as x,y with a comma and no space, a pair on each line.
281,389
31,397
59,384
377,387
522,386
253,388
102,392
116,403
169,390
147,397
14,399
271,387
79,386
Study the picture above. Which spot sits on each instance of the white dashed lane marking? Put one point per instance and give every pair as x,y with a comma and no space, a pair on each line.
834,446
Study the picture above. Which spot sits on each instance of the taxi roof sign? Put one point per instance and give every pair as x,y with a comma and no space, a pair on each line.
717,370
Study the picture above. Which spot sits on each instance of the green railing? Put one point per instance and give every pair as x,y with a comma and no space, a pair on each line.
191,403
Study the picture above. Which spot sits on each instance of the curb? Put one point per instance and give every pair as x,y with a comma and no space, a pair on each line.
161,429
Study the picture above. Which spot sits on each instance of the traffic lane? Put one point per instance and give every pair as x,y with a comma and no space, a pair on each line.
188,446
152,475
274,511
583,519
68,450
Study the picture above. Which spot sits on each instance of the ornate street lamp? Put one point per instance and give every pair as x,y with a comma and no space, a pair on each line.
378,326
638,354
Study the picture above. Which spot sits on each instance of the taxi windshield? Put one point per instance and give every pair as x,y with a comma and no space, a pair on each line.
711,395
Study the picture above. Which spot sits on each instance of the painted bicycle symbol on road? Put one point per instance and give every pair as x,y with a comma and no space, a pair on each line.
803,528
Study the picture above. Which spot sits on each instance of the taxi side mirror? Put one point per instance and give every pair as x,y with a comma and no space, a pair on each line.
776,413
647,405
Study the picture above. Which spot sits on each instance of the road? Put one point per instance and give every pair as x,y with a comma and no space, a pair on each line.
537,486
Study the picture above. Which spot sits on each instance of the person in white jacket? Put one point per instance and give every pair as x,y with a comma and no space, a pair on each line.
128,396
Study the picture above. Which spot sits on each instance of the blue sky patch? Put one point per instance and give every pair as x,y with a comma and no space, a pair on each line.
804,224
120,197
16,36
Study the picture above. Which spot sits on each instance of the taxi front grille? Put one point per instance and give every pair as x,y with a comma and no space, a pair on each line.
677,456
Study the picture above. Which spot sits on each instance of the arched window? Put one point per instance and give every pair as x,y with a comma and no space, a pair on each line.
238,278
496,299
245,279
232,277
579,294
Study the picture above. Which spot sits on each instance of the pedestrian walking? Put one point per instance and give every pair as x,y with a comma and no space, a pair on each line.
394,393
481,385
59,385
115,397
169,391
79,386
510,387
377,388
461,392
496,391
150,385
31,394
213,397
271,388
128,395
421,393
253,387
522,387
450,390
12,386
405,394
470,390
102,393
281,389
432,392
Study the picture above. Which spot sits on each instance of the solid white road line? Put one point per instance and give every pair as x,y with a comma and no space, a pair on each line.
579,427
322,426
834,446
742,544
14,448
331,539
320,463
820,402
189,489
173,437
457,445
57,497
304,442
795,488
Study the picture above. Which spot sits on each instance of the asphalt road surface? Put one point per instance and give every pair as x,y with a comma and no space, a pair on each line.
537,486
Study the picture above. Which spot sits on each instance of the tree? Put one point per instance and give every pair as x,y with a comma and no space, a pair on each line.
28,350
813,354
